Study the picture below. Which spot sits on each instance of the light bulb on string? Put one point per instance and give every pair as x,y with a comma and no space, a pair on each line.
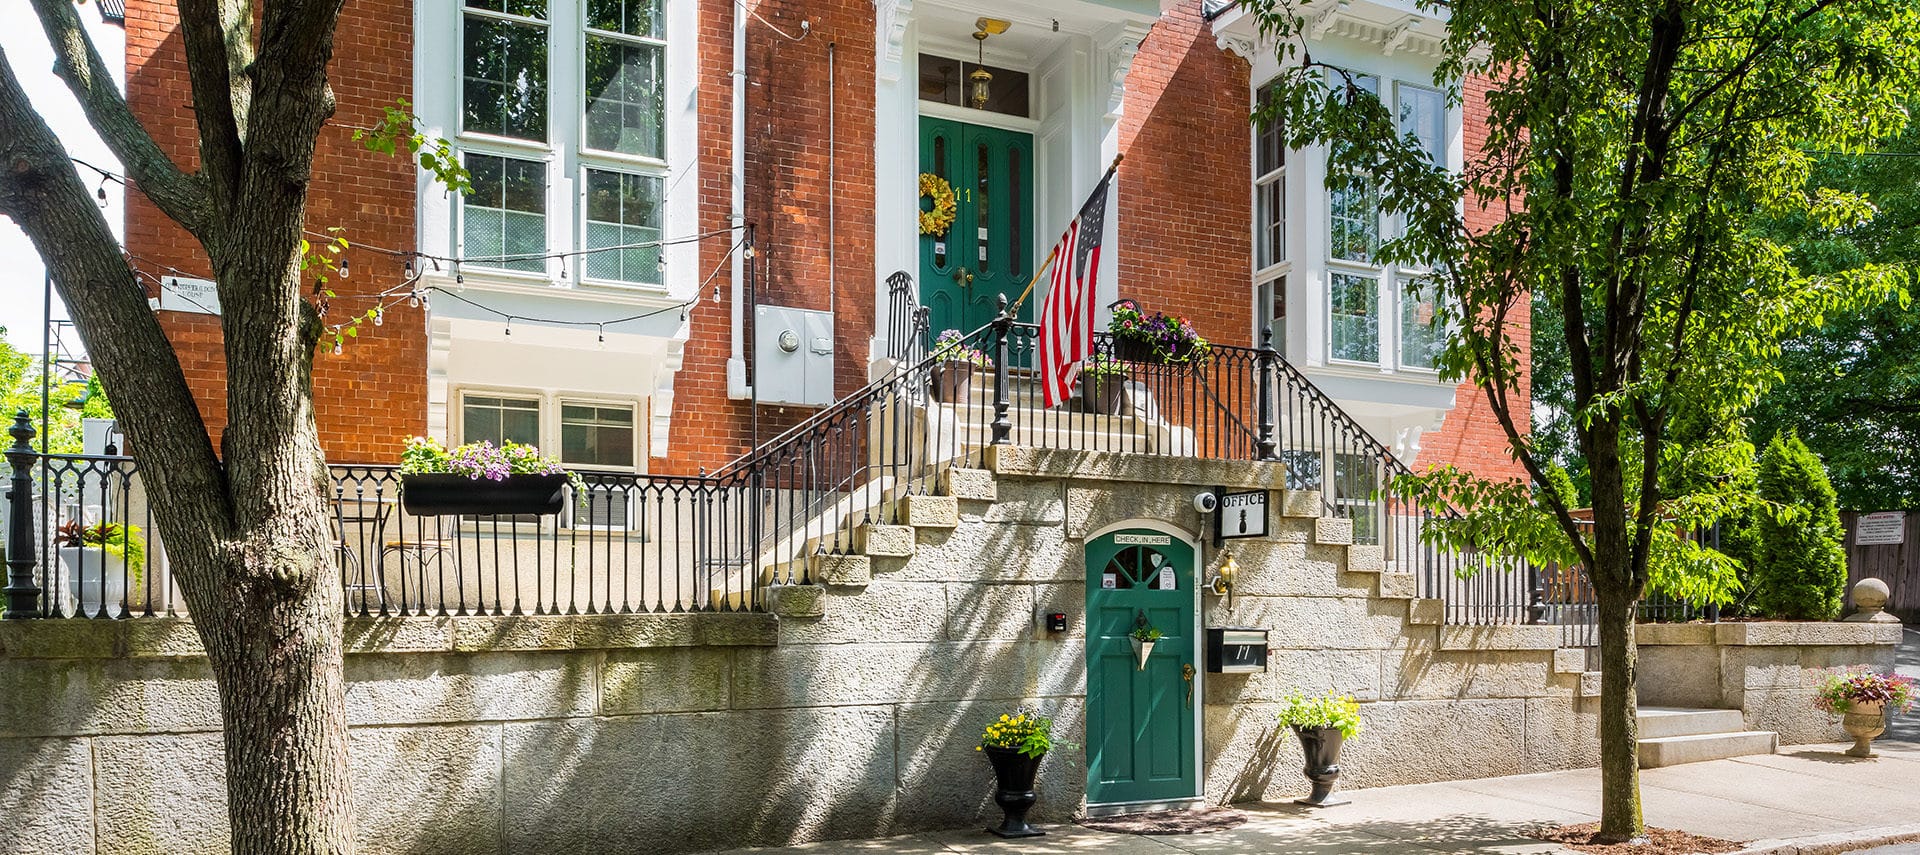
408,269
336,341
413,299
563,267
379,316
343,269
602,334
509,325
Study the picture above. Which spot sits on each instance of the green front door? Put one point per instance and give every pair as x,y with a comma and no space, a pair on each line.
1140,737
989,249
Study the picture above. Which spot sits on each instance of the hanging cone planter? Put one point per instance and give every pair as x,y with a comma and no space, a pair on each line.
1141,650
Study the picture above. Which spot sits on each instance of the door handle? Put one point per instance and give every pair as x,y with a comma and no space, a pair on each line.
1186,673
962,276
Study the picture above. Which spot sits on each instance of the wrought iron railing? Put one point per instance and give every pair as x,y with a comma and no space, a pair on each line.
638,543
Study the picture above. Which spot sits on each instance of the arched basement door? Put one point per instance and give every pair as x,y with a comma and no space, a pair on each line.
1140,722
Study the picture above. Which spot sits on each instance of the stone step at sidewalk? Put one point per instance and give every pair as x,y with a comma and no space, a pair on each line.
1674,750
1661,722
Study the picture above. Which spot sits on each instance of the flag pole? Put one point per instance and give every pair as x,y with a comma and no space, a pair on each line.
1014,307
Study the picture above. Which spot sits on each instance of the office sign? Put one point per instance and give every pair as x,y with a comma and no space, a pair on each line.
1243,514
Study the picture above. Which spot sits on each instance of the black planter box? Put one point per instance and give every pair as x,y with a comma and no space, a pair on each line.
442,494
1135,350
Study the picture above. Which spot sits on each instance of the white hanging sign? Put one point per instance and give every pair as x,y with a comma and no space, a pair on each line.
181,294
1881,528
1167,581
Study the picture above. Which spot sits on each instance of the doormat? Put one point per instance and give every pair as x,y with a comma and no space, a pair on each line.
1167,822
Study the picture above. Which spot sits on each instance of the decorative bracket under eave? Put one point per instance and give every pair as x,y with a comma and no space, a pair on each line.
890,19
1119,50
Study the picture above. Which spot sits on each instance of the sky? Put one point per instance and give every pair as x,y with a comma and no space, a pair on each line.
22,277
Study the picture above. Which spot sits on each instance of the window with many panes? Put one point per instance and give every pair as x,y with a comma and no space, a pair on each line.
1270,227
499,419
522,140
1422,335
1353,303
596,435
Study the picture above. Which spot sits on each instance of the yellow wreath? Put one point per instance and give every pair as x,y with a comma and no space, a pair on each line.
937,221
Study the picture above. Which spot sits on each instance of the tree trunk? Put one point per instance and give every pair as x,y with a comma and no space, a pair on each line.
1620,818
277,664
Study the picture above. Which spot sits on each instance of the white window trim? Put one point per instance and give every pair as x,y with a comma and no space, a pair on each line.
1381,335
460,222
580,228
439,72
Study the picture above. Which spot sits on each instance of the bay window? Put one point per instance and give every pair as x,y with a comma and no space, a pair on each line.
1353,305
590,182
1422,336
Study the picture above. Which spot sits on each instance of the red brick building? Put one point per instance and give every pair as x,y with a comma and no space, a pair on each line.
590,124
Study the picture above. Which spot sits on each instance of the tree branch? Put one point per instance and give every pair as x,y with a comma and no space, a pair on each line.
180,196
40,191
219,42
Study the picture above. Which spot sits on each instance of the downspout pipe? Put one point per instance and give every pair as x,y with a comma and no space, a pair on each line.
737,388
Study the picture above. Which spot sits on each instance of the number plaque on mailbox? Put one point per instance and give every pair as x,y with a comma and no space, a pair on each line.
1236,650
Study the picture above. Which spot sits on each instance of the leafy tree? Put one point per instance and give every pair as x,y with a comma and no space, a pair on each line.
246,527
1800,569
1851,388
1630,146
20,390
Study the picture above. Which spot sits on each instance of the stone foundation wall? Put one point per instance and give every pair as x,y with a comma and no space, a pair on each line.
853,711
1770,671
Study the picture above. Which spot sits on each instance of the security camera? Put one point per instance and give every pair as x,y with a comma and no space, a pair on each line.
1206,503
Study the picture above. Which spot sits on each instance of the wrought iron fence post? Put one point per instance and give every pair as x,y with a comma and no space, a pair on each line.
1536,594
1002,330
22,594
1264,399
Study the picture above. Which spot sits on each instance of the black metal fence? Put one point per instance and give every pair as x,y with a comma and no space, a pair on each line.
637,543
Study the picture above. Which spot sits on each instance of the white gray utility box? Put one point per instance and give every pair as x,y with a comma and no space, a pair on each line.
792,356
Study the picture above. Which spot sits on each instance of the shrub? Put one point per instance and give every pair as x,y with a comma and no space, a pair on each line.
1800,569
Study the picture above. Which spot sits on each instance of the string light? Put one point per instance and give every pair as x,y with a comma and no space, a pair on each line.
509,325
343,268
379,316
407,269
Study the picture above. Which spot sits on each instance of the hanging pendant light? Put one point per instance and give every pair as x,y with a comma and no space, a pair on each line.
980,82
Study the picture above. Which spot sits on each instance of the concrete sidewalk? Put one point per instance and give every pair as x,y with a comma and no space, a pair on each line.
1804,795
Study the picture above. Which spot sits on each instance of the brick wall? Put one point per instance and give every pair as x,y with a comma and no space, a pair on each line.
1471,438
787,194
1185,191
371,397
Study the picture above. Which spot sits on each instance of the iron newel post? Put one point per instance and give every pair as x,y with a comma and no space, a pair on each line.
1002,330
22,595
1266,357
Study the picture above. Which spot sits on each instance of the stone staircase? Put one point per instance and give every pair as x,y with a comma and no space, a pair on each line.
821,572
1670,736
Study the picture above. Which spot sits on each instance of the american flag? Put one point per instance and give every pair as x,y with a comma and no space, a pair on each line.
1066,318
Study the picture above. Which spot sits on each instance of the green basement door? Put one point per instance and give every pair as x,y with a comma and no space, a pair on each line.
989,249
1140,723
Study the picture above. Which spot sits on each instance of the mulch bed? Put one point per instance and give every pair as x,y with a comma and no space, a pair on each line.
1659,841
1170,822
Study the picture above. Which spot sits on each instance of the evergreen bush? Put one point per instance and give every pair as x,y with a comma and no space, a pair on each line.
1800,568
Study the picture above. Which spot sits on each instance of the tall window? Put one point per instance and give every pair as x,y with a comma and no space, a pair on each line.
1423,116
623,210
589,178
505,68
1270,227
504,216
499,420
1354,223
1353,304
1422,335
625,59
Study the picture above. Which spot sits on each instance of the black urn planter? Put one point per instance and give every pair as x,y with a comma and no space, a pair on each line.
1013,774
1104,395
952,380
1322,747
441,493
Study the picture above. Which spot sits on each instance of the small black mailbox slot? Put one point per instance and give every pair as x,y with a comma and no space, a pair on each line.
1236,650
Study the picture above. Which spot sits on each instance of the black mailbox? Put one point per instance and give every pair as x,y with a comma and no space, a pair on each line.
1236,650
